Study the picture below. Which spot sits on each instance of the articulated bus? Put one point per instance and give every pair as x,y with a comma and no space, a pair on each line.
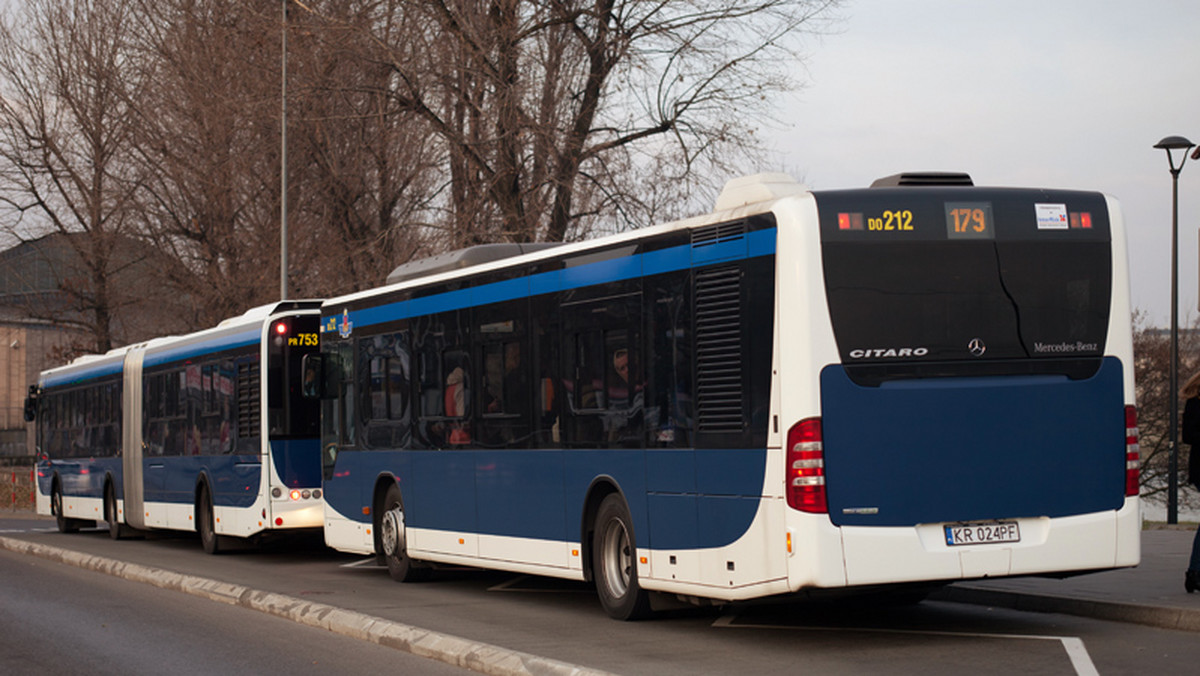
860,390
171,433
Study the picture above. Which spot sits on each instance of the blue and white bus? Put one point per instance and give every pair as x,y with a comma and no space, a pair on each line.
207,432
919,382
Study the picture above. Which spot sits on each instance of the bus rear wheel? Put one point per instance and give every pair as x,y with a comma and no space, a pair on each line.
614,562
205,522
116,530
64,524
392,541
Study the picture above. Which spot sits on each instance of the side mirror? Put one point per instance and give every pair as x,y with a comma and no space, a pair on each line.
312,366
31,403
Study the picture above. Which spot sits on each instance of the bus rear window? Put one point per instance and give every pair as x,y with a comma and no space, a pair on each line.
981,281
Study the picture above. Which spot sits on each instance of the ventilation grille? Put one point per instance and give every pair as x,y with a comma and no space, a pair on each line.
923,178
719,350
719,233
248,400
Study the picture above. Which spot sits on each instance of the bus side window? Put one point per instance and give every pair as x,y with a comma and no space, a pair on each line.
347,411
669,363
457,396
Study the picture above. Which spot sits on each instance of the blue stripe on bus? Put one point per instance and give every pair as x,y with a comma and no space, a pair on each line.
701,498
199,348
154,357
83,374
233,479
80,477
754,244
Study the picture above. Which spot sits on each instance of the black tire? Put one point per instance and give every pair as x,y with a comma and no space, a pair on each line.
64,524
116,530
392,544
205,523
614,562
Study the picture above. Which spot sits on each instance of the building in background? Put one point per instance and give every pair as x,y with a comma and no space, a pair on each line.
41,325
29,285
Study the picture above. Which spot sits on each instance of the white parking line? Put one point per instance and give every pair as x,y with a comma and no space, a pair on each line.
369,561
514,585
1076,651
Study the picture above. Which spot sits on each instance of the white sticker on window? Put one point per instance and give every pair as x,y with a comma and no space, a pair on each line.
1051,216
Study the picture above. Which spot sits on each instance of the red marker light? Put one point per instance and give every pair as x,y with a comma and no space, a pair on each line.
850,221
281,328
1086,220
1133,463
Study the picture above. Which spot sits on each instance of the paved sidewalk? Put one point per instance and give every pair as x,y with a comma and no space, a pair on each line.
1150,594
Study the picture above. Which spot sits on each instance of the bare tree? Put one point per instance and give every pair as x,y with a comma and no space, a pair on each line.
65,130
545,110
1151,349
208,143
417,125
366,176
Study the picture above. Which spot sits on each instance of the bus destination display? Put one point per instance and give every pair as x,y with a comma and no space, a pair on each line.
964,220
969,220
865,216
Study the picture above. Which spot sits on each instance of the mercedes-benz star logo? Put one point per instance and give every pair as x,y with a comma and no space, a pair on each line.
977,347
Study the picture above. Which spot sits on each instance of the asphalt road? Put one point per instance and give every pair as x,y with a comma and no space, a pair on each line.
59,619
563,620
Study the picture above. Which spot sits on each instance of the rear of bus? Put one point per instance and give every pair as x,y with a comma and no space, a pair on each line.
969,410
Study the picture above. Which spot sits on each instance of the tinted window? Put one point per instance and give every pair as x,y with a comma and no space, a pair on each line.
291,414
966,281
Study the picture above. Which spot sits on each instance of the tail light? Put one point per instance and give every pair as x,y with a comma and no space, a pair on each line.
1133,461
806,467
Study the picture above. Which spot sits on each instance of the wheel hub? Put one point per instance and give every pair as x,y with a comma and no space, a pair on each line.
391,532
618,559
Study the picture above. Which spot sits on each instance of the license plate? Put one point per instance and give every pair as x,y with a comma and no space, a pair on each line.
982,533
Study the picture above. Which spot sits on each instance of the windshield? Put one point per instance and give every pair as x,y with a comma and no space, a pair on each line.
291,414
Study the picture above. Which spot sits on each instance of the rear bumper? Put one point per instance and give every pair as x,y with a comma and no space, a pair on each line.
1067,544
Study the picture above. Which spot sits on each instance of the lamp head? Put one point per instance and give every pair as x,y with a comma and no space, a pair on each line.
1173,143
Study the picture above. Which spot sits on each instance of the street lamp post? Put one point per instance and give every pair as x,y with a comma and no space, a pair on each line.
1170,144
283,172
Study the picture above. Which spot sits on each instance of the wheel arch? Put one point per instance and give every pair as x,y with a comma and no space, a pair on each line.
383,483
600,488
202,484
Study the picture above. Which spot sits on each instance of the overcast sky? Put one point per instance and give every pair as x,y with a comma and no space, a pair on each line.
1045,93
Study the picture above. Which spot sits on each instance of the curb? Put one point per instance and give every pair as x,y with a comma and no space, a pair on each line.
1182,619
481,657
